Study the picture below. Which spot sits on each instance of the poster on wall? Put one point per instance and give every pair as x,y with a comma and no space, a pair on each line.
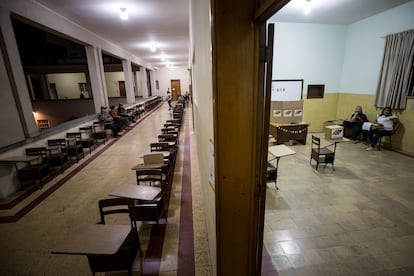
287,90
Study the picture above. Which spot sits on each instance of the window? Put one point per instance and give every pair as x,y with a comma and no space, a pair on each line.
396,77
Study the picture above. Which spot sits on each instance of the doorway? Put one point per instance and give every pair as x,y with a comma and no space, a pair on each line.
175,89
122,91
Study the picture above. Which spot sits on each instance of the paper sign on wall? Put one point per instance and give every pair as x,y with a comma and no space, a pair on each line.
287,90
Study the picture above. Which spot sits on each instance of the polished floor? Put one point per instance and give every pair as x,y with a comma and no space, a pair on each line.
356,220
32,226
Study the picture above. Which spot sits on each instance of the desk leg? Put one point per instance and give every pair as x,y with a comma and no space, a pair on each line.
277,165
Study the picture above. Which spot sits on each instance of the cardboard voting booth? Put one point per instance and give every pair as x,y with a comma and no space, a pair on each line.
334,132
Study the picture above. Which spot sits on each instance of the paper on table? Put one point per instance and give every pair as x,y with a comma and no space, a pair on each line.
366,126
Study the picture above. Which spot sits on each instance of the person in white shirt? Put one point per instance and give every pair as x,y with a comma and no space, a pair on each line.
385,125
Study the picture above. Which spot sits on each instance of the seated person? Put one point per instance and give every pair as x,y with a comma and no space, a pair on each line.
122,112
357,119
108,122
385,125
121,121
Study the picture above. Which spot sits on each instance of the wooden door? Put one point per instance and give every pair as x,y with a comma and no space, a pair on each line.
240,131
175,89
122,91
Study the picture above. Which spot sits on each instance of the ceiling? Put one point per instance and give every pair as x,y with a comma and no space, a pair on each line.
165,23
162,23
341,12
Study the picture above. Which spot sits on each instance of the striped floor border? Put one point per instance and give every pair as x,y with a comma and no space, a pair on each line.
152,260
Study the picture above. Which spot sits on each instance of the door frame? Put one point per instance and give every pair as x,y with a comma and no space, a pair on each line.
238,59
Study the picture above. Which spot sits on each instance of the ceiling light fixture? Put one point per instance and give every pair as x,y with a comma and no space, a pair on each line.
307,8
152,48
123,14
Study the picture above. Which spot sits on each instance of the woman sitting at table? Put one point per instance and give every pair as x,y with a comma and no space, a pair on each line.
357,119
384,125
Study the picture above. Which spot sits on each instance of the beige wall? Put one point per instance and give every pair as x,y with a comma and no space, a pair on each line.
341,106
200,36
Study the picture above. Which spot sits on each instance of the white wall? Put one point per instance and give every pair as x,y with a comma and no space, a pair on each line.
200,37
344,58
67,84
112,83
312,52
365,42
164,77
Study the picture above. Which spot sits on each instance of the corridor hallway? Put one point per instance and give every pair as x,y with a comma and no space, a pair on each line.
172,249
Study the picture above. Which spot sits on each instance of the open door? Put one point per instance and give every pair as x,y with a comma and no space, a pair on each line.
268,65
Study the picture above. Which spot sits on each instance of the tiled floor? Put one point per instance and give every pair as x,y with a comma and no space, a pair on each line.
26,244
356,220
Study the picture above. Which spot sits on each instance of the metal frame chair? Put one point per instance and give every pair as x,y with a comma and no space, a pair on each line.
322,155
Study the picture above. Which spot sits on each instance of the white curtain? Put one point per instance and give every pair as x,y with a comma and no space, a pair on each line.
397,70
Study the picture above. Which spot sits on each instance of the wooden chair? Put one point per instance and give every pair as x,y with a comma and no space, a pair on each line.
124,258
87,138
160,146
164,146
151,177
150,210
74,145
396,126
99,132
168,138
175,122
58,154
171,131
35,171
322,155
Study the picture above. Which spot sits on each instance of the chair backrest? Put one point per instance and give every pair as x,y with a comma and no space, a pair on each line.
396,125
98,126
150,176
167,138
57,142
169,131
86,131
39,151
119,205
316,143
161,146
74,135
153,158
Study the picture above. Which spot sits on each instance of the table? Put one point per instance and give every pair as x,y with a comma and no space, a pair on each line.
93,239
17,159
165,153
147,166
286,132
279,151
334,141
136,192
